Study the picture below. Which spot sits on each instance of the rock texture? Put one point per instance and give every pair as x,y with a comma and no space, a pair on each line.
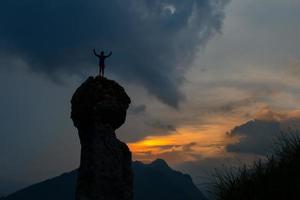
99,107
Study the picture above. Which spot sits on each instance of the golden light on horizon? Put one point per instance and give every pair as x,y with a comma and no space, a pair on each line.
195,141
187,143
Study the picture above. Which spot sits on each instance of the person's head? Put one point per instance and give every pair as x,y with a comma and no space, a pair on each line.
102,53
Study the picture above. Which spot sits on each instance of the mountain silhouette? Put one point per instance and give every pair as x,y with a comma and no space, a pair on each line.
151,181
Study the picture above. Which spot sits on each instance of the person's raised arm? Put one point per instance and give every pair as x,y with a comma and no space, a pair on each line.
95,53
110,53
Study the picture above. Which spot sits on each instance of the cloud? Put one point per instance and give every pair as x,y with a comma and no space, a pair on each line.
257,136
160,125
172,153
269,115
153,41
137,109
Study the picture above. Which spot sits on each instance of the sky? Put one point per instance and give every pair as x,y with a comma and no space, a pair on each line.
212,82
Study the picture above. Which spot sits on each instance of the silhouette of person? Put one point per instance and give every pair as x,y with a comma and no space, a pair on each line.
102,58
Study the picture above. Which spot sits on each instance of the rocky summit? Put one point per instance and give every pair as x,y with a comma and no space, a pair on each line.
99,107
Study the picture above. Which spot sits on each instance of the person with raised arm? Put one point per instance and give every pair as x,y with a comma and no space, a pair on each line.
102,58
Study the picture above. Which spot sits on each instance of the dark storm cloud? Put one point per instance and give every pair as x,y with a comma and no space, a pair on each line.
153,41
256,137
259,135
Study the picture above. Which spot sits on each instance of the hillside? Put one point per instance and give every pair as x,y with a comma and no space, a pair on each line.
277,178
151,181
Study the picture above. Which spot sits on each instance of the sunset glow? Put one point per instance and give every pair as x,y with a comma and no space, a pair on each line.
187,143
201,83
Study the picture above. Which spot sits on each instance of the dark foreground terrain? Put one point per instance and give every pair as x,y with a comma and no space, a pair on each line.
151,181
277,178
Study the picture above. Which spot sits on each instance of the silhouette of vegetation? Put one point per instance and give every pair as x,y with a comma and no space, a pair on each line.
276,178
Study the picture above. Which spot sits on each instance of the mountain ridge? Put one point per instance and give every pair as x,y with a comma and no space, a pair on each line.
155,180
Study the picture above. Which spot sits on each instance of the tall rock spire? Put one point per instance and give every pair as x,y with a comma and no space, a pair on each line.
99,107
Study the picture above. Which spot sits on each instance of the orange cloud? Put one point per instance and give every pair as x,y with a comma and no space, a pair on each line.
267,114
186,144
207,139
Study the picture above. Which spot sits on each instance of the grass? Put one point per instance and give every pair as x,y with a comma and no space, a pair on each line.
276,178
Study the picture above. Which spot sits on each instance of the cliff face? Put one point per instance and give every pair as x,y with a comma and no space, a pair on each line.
99,107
